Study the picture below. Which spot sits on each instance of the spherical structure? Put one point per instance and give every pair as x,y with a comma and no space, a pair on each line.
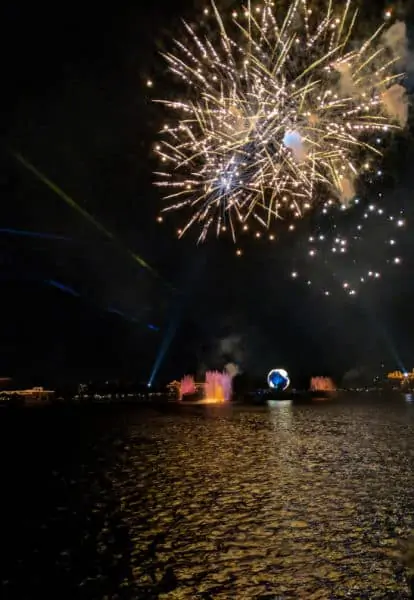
278,379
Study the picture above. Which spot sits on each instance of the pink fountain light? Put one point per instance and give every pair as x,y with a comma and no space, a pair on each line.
187,386
218,387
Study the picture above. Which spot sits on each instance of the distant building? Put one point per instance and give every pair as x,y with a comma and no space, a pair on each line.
35,395
401,377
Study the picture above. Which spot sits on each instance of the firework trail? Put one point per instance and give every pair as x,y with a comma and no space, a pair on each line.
277,115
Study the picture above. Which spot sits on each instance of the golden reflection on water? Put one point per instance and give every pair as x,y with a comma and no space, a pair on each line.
295,502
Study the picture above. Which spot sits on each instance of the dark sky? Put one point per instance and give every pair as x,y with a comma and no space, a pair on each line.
77,108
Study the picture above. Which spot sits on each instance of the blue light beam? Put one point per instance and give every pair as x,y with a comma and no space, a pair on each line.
35,234
62,287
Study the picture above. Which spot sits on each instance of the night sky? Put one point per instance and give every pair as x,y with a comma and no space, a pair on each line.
77,304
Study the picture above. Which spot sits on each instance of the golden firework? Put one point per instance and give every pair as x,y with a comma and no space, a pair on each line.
278,114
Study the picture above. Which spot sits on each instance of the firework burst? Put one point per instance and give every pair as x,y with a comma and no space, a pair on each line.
277,116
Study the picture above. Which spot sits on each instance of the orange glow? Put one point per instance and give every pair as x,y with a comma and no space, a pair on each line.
401,376
211,401
322,384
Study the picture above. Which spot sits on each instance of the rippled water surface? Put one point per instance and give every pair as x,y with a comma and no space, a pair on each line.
206,502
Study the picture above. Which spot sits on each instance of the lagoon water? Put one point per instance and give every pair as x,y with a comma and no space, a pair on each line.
208,502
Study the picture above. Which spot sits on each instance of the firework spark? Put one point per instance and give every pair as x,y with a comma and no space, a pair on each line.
352,251
277,115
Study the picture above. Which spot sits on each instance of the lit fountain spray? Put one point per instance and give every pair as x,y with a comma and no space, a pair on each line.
322,384
218,387
187,386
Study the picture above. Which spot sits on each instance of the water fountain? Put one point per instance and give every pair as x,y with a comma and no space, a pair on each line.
218,387
322,384
187,386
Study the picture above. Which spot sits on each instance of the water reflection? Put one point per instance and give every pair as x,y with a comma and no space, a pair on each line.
280,413
227,502
299,502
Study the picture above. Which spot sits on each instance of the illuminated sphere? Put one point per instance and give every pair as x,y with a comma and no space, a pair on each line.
278,379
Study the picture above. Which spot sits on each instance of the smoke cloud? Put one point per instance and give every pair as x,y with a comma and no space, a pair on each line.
395,38
293,141
395,98
226,352
346,84
231,346
232,369
395,102
230,352
347,190
313,119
